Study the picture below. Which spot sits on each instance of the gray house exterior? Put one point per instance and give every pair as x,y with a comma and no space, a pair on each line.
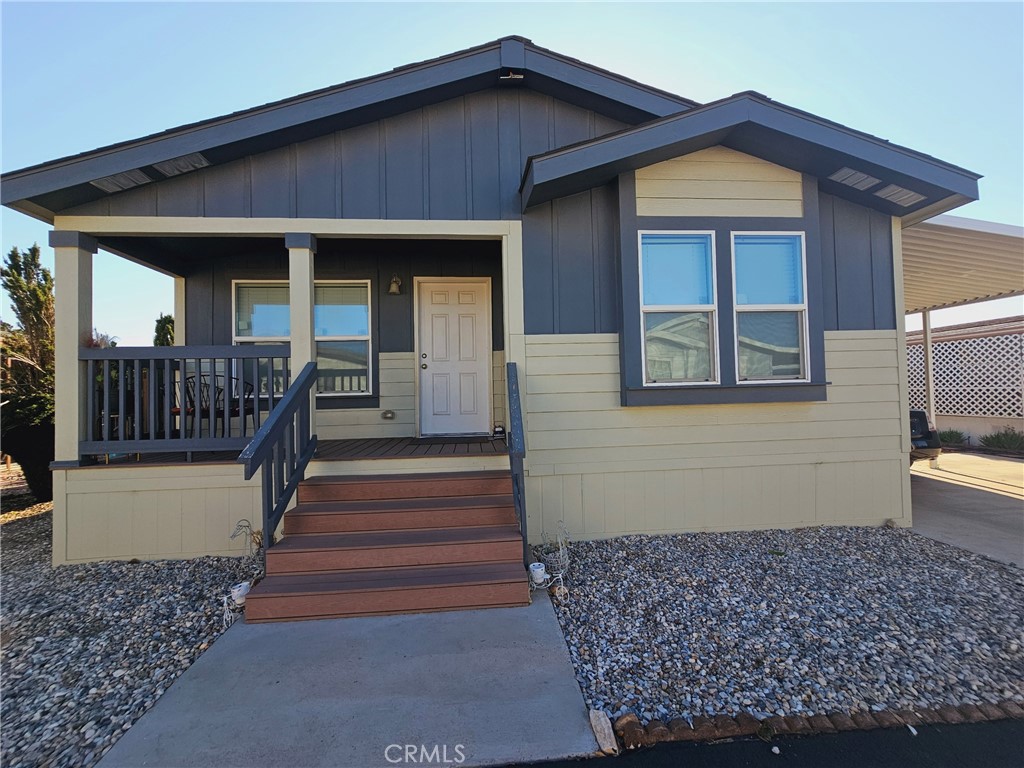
569,196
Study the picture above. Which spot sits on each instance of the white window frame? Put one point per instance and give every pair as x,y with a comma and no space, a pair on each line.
805,357
236,339
712,309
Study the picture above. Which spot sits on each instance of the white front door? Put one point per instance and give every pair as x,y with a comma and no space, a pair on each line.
454,356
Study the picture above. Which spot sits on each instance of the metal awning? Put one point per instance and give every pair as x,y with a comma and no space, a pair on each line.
950,260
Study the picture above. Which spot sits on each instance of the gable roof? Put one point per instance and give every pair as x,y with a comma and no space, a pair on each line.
41,190
890,178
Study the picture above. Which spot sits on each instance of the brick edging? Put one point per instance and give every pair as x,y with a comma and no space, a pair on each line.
632,734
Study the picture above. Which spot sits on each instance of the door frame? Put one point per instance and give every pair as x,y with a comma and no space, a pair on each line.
416,283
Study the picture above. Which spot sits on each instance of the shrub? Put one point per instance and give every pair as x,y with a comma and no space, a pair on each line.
1006,439
952,437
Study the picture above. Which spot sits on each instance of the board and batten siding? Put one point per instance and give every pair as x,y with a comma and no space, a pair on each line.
607,471
718,181
398,393
151,512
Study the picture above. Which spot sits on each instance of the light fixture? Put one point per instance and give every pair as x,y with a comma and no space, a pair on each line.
855,179
395,289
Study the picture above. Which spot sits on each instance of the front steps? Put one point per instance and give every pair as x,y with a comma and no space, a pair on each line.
383,544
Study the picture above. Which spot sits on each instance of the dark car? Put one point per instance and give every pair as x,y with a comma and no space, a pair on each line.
924,439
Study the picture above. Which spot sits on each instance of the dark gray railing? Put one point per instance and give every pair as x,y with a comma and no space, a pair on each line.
156,399
516,453
282,449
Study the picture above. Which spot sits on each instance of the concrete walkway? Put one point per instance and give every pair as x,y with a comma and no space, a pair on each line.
489,686
972,501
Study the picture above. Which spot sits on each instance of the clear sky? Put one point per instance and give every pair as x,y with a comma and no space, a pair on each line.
946,79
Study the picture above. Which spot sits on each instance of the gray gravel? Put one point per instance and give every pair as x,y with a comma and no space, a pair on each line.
87,649
790,622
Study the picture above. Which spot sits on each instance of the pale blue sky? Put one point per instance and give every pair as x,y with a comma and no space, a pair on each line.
942,78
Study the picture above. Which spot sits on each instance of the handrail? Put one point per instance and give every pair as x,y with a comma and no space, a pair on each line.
516,454
184,398
282,447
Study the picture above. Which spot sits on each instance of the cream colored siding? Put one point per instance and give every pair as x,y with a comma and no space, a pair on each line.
607,470
398,394
151,512
718,182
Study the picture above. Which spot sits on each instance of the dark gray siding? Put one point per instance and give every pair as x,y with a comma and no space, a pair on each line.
208,286
857,267
459,159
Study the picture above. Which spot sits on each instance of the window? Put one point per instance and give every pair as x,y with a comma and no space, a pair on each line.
677,289
341,324
770,305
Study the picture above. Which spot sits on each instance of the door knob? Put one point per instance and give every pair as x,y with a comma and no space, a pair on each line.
424,365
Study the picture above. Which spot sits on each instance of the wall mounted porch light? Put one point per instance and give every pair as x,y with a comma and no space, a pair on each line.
395,289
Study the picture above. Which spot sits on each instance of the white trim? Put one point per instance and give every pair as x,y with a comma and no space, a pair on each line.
236,339
712,309
805,353
486,281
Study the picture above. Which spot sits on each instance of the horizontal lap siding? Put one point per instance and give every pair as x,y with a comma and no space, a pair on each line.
718,182
153,512
607,470
398,394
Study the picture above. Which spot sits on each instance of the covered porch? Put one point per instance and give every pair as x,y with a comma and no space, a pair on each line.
256,301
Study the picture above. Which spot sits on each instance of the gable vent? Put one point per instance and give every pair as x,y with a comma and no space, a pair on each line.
179,165
855,179
899,195
121,181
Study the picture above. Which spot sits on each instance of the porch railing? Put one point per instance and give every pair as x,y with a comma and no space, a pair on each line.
282,448
516,454
201,398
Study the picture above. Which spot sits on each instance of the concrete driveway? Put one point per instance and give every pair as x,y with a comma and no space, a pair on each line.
972,501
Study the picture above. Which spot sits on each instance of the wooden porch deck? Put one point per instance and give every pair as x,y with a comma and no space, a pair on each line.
342,450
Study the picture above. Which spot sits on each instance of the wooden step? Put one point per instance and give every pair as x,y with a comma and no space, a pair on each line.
396,514
364,487
384,549
387,591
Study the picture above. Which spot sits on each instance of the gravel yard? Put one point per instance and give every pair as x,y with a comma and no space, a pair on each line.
87,649
790,622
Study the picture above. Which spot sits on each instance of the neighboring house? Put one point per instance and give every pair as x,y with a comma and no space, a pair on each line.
704,302
979,375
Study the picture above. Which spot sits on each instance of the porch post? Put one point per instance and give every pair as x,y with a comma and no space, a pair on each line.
179,311
73,320
301,250
929,374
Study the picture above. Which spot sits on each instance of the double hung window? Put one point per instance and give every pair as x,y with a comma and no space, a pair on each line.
678,311
771,307
341,324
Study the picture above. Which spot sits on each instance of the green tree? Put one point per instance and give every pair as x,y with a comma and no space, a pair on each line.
27,350
27,368
164,335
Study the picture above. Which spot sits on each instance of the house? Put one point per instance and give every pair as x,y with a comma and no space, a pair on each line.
701,305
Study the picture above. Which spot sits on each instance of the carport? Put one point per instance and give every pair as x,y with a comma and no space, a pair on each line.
949,261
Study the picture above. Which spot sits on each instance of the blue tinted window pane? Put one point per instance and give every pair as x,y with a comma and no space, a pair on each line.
262,311
341,310
343,366
677,270
769,269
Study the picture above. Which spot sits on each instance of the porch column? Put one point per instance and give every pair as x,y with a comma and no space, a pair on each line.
179,311
73,320
301,250
929,373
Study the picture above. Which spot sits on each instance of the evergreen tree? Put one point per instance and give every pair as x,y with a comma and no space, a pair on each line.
164,335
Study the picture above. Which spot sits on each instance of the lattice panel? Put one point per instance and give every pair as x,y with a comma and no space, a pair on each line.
973,377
